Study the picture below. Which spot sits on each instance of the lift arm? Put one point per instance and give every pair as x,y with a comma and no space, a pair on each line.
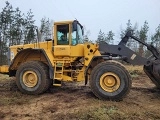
151,66
127,54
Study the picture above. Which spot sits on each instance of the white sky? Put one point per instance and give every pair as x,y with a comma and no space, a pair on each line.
94,14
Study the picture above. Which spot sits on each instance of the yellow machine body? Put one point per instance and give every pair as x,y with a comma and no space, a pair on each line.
66,57
4,69
60,58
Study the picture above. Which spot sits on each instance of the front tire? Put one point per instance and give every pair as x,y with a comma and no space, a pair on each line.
110,80
33,77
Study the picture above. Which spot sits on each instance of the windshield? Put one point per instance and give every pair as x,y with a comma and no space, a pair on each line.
63,34
77,36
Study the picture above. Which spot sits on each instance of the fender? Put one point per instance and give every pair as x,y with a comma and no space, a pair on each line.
93,59
22,56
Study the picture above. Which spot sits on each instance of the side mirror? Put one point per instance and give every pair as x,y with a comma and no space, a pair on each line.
74,26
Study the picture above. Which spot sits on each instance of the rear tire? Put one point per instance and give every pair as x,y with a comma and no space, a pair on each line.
110,80
33,77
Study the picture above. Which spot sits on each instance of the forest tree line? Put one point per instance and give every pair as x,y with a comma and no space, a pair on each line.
141,33
19,28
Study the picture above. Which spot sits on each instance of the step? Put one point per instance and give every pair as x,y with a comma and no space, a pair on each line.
59,72
59,85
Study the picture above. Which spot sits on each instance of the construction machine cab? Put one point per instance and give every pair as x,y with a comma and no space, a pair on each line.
68,33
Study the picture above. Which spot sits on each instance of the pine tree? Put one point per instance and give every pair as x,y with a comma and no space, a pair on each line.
109,38
14,28
29,31
132,44
156,37
143,37
101,37
46,29
6,19
18,26
129,27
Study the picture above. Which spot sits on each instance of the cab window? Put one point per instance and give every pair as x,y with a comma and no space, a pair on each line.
77,36
74,38
63,34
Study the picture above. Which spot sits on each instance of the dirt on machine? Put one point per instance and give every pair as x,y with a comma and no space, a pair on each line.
66,58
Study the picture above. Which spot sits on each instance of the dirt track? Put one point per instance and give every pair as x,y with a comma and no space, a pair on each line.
78,102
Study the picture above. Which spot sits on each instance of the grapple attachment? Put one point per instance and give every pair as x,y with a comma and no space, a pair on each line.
153,72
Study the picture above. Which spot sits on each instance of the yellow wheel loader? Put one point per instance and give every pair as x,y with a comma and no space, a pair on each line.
66,58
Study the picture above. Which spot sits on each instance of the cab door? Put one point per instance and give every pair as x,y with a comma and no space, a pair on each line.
62,39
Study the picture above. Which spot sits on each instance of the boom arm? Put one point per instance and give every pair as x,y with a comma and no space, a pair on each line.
127,54
151,48
151,66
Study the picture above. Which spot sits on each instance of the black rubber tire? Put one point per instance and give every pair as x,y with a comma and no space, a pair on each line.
116,68
42,73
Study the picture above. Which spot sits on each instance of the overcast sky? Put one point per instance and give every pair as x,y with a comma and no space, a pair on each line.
94,14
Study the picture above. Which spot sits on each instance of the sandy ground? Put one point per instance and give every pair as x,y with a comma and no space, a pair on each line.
73,101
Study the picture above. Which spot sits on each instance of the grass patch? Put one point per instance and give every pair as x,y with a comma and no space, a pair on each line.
4,77
16,98
97,113
152,115
108,113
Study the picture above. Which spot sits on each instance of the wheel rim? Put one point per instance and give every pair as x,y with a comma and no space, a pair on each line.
109,82
30,79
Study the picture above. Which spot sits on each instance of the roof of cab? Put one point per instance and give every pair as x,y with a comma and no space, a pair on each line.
65,22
